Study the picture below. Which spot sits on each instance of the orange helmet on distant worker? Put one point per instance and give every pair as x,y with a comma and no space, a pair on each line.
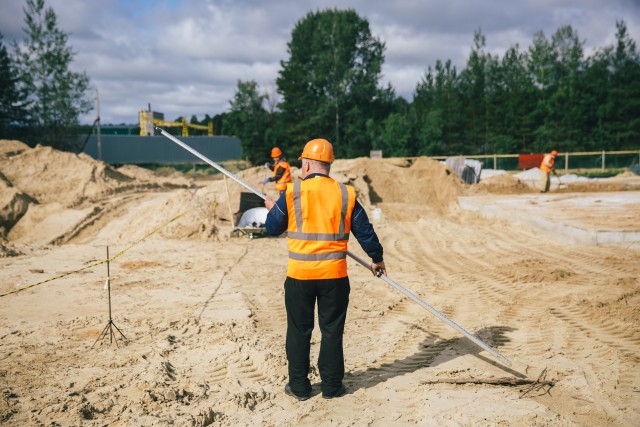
554,153
276,152
318,149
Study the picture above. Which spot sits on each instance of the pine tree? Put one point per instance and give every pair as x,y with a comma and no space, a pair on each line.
56,95
625,90
329,84
11,101
247,120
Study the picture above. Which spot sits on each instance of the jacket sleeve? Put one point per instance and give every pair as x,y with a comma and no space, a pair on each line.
365,234
279,173
277,218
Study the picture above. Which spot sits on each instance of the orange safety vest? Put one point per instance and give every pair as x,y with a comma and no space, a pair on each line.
319,210
547,163
281,184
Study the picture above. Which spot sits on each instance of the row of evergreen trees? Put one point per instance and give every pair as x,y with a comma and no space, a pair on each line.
548,96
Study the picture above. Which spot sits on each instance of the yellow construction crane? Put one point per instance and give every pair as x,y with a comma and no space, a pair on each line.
148,119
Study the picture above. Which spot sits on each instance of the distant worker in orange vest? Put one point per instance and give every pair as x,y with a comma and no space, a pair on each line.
281,170
318,213
547,166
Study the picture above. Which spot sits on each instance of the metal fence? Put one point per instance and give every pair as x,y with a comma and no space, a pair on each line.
130,149
595,160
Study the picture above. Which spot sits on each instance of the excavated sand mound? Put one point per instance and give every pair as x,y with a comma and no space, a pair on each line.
501,184
13,205
48,195
49,175
58,197
394,183
11,147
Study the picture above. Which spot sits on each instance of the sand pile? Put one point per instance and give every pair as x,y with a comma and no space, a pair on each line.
59,197
501,184
13,205
48,195
56,197
394,183
11,147
49,175
13,202
424,182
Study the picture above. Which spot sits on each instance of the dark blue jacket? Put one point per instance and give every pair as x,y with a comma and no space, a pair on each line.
278,221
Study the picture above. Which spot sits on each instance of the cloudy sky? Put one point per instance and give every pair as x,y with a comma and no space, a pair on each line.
185,57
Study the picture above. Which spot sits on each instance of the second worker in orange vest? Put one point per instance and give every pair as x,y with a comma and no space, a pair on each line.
281,170
547,167
318,215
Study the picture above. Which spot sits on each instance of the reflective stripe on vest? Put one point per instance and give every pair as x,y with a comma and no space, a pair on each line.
319,234
317,257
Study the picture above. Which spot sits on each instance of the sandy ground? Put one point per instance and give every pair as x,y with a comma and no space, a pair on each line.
204,320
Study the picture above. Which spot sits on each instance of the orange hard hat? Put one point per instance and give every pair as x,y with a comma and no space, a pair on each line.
554,153
276,152
318,149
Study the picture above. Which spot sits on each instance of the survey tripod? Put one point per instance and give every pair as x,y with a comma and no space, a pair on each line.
379,273
108,329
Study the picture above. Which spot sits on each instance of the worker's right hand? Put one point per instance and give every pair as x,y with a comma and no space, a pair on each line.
378,268
268,203
267,165
264,181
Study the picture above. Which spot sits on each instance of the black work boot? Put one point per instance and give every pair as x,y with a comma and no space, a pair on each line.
341,392
289,392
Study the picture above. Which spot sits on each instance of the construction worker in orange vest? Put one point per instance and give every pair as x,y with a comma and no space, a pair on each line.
318,213
547,166
281,170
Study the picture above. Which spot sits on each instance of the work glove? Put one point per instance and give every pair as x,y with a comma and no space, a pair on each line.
264,181
267,165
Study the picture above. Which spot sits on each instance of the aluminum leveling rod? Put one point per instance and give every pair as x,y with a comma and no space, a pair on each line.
379,274
211,162
433,311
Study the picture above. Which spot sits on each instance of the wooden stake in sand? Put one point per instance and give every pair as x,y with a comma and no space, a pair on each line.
231,216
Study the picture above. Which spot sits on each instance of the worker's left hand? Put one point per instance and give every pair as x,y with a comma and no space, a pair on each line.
264,181
378,269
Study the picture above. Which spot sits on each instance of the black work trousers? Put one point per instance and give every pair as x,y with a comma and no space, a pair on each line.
300,298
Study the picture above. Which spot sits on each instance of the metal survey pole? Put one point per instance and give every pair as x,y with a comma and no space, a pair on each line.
379,274
210,162
433,311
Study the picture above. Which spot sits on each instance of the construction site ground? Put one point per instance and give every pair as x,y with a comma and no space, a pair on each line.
204,317
581,218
